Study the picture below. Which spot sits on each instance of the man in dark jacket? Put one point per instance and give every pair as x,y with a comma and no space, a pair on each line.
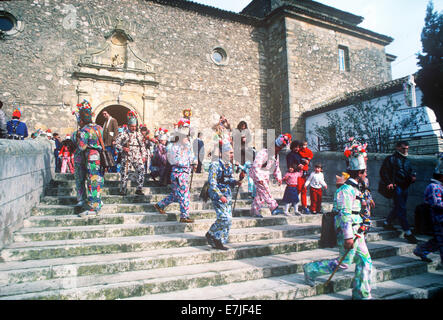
17,130
199,151
110,133
397,174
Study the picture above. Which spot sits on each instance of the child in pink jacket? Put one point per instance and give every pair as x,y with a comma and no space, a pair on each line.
291,192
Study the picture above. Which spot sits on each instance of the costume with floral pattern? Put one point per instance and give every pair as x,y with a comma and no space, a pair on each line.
220,183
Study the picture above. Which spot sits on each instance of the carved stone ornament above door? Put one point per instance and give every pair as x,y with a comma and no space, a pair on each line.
115,60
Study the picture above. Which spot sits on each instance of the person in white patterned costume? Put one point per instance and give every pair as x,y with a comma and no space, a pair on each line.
134,153
263,165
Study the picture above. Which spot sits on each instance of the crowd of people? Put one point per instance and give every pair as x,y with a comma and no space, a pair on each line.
171,158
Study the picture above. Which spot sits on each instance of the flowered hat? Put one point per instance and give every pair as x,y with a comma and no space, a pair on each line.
187,113
283,140
85,111
160,131
17,113
132,118
355,154
183,126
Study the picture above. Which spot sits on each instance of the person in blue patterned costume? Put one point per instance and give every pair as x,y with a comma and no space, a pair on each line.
434,198
350,228
220,183
182,160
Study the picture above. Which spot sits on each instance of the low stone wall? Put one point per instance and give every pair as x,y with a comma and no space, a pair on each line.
334,163
25,168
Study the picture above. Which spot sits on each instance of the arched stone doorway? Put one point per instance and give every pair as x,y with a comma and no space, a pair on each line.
116,111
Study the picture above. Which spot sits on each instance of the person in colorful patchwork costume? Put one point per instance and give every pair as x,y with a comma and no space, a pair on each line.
79,166
134,153
263,165
88,142
350,228
182,160
355,151
434,197
220,183
159,158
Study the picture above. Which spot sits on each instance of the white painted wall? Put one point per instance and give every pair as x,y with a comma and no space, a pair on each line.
428,127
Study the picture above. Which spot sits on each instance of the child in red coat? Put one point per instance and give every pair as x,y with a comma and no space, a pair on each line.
306,155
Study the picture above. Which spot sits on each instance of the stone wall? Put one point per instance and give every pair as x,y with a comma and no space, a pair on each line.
313,66
25,168
275,68
176,42
334,163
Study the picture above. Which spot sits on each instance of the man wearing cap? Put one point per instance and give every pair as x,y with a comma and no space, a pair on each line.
220,183
434,198
182,161
265,163
397,174
134,153
88,141
17,130
350,228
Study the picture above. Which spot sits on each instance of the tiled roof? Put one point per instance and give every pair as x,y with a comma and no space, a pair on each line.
349,98
336,17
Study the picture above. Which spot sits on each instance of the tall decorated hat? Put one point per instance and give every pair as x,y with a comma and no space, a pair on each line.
132,118
161,132
187,113
17,113
283,140
183,126
85,111
355,154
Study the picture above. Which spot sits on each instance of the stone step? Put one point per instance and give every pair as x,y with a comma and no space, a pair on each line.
243,206
42,210
141,217
292,285
147,282
116,183
71,191
69,248
115,176
35,270
65,248
420,286
141,229
109,199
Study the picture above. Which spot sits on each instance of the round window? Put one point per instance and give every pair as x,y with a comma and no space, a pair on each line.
9,24
6,23
219,56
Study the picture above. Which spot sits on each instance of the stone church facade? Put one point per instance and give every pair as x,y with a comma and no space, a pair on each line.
266,65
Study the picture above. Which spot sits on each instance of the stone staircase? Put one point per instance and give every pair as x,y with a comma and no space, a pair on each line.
130,251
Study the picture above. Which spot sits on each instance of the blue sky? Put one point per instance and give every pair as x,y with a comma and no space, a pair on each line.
402,20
